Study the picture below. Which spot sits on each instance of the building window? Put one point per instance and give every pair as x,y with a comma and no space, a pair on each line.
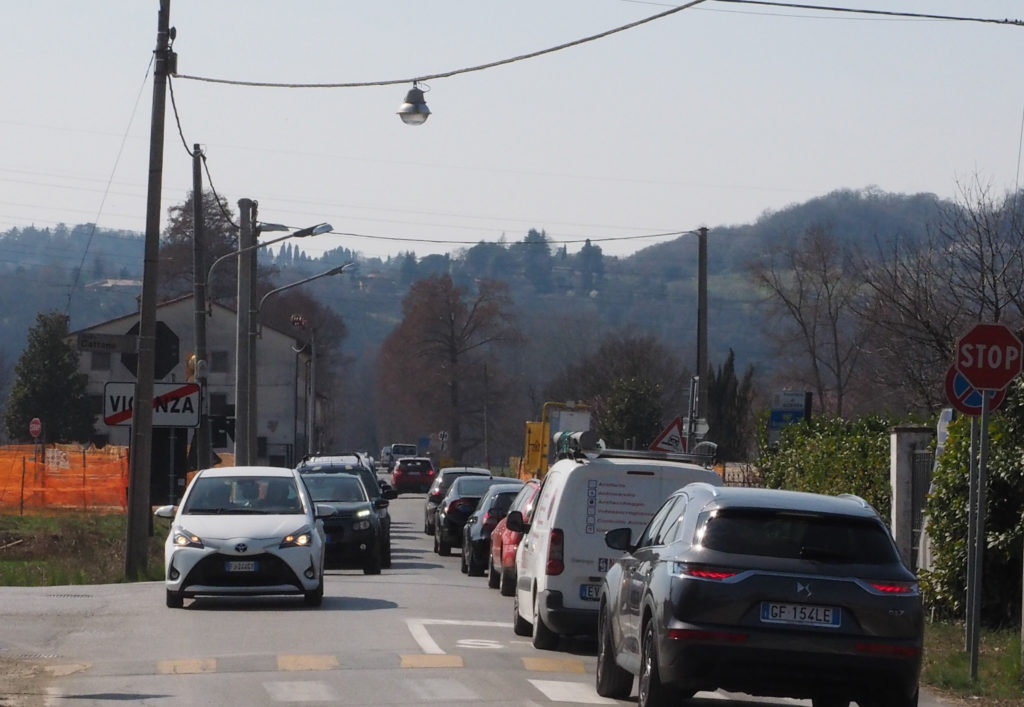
96,403
100,360
219,362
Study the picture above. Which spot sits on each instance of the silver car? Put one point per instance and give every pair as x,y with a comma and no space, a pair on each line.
761,591
244,530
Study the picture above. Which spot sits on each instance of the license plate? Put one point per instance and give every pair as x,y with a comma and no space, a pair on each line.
801,614
240,565
590,592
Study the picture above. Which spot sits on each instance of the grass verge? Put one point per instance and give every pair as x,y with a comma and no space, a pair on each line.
947,665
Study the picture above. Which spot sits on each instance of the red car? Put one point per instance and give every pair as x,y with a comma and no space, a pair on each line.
414,474
502,563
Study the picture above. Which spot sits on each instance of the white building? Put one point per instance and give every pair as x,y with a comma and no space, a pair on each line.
282,375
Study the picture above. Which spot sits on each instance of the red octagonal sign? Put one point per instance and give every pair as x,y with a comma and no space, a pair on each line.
989,356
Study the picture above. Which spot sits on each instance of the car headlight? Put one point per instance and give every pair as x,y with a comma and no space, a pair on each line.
183,538
302,538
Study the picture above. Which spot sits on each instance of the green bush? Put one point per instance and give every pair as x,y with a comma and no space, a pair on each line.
830,455
946,512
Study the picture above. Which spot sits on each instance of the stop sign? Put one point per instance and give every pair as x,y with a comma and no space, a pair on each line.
989,356
35,427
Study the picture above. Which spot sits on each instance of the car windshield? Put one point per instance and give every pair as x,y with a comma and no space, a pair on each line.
796,535
243,495
339,487
359,471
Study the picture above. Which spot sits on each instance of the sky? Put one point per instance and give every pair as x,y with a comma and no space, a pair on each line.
710,116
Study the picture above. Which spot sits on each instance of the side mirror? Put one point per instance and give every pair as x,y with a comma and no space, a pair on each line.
389,493
325,510
514,521
379,503
164,512
619,539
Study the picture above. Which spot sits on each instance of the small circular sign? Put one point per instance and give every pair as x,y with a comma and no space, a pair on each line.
35,427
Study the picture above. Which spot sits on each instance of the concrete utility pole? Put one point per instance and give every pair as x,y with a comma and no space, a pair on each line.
204,457
246,244
139,511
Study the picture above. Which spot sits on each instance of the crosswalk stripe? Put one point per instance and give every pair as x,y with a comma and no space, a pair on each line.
299,691
306,662
188,666
578,692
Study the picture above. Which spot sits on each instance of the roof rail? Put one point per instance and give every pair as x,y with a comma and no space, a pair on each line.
587,444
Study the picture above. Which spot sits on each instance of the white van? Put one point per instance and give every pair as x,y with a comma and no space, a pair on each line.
562,556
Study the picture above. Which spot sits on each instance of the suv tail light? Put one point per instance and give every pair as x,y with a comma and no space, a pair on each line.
556,552
713,573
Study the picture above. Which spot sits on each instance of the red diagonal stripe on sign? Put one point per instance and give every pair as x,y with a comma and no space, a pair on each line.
182,392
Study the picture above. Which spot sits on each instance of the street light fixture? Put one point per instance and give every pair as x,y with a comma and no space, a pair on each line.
414,111
250,374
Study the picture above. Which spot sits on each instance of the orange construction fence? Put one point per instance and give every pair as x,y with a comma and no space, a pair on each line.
63,477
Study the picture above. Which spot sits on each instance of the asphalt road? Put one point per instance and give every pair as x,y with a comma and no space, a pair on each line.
420,633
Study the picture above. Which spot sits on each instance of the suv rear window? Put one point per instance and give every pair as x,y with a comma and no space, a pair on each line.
793,535
413,464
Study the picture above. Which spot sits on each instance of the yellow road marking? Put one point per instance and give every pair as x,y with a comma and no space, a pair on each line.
60,671
423,660
554,665
306,662
187,667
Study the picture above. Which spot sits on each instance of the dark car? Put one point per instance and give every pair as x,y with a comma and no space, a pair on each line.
761,591
476,533
501,569
356,465
440,487
455,509
414,474
353,532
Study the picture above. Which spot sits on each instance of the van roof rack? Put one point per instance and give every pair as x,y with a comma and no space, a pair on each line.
588,444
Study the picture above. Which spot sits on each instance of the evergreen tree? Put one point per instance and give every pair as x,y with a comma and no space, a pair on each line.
48,385
730,420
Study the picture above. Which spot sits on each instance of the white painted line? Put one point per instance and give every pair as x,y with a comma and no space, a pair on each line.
578,692
299,691
418,629
441,690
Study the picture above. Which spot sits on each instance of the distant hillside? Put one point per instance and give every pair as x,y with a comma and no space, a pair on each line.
93,274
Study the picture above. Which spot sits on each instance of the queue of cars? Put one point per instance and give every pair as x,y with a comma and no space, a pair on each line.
687,585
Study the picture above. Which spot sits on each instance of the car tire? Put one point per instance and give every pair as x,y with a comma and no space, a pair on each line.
612,680
652,692
373,562
544,638
175,600
444,549
463,565
386,559
473,569
507,581
493,578
520,626
315,597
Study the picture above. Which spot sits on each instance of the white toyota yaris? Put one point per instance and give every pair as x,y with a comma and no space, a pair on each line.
244,530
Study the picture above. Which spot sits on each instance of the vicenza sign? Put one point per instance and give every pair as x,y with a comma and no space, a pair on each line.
174,404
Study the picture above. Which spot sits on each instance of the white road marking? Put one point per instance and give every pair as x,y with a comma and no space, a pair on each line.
418,629
441,690
299,691
562,691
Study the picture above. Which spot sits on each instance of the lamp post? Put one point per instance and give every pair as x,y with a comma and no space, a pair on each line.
250,410
247,243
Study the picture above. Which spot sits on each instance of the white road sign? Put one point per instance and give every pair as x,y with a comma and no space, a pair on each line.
174,404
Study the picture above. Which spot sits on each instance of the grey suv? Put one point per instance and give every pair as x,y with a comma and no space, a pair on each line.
761,591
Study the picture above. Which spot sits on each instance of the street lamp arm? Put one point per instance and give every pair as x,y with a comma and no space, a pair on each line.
301,233
327,273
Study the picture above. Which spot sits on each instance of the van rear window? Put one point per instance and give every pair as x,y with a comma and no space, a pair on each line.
809,536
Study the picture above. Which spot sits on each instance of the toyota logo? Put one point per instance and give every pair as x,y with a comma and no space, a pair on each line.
241,548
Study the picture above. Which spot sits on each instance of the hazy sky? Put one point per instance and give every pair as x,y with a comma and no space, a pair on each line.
707,117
